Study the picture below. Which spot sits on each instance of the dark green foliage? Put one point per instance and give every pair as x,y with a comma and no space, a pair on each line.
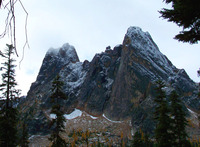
8,114
141,139
58,122
162,118
57,94
58,141
7,87
137,140
147,123
59,126
170,120
147,141
24,137
186,14
8,129
179,121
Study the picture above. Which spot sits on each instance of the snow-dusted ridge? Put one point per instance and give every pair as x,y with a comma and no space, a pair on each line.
146,47
66,47
75,78
66,53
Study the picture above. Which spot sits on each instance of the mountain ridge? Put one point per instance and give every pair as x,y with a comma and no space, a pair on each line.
118,83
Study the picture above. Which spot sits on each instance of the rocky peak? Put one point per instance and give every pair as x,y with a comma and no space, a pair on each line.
65,53
117,83
140,66
144,47
141,40
54,61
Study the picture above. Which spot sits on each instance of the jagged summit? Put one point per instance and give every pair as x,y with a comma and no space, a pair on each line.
143,43
67,52
140,39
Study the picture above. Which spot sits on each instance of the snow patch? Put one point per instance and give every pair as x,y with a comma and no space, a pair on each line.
33,136
77,113
74,114
53,116
192,112
92,116
111,120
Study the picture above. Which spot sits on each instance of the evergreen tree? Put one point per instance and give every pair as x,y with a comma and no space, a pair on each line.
8,129
147,141
8,114
186,14
58,122
179,121
24,138
162,118
137,140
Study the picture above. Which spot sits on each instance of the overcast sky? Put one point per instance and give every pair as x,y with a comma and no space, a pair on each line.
90,26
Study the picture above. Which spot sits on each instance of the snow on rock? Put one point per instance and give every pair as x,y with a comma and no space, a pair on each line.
66,52
111,120
66,47
92,116
53,116
74,114
77,113
52,51
73,75
33,136
192,112
193,117
109,83
142,40
146,48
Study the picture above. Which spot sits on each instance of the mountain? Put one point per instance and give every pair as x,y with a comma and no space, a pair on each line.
118,83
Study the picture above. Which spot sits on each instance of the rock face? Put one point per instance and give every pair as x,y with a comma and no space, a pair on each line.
118,83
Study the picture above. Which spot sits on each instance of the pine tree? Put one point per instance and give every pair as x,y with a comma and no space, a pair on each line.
179,121
8,114
58,122
186,14
137,140
162,118
24,138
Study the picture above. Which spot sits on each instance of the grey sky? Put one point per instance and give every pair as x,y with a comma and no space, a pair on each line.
92,25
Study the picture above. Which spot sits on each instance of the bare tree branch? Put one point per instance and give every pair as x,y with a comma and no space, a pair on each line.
10,24
26,43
